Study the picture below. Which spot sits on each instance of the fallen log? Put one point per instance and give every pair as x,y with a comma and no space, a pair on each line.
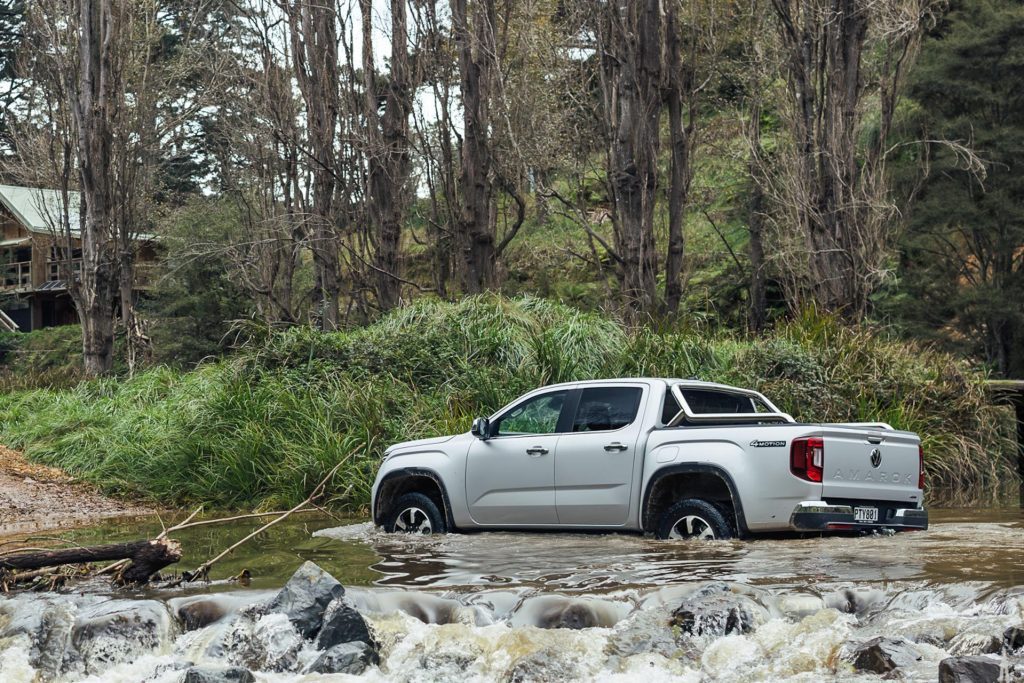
147,558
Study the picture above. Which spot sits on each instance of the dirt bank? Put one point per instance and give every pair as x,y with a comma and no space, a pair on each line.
35,497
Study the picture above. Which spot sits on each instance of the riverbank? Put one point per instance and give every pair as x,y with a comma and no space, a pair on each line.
35,497
260,428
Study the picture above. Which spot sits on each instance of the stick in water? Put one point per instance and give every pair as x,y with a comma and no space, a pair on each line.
203,570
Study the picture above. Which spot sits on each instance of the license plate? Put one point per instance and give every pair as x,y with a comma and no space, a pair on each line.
865,514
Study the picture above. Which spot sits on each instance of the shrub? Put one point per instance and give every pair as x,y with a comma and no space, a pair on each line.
263,427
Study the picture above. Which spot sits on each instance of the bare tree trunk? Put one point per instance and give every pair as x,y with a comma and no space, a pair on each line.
313,29
94,110
476,67
758,313
632,65
388,160
680,141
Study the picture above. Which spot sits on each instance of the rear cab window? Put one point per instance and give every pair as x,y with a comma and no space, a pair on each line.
603,409
719,405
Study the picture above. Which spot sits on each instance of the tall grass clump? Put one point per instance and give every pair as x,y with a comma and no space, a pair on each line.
263,427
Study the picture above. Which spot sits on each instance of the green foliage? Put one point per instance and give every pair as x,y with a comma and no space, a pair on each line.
50,357
961,271
194,298
263,427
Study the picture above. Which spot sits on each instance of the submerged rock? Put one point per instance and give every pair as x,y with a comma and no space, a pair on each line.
117,631
544,666
47,623
200,613
882,655
342,624
208,674
969,670
305,597
1013,638
345,658
716,611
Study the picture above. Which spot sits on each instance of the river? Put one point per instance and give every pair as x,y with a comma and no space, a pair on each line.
527,606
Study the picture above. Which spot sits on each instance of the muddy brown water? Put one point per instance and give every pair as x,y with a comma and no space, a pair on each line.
978,545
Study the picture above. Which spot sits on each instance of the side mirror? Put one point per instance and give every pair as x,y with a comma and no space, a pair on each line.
481,428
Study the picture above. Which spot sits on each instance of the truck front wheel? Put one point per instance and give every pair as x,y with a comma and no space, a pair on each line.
693,518
415,513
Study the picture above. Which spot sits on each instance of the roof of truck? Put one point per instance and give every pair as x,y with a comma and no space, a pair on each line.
663,380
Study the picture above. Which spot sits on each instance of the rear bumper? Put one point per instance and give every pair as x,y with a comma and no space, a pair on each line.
822,516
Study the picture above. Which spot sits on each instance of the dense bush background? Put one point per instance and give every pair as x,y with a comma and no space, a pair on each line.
262,427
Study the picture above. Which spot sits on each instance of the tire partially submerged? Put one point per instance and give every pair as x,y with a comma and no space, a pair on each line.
695,519
415,513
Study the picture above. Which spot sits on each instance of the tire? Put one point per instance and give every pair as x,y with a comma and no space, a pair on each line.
693,518
415,513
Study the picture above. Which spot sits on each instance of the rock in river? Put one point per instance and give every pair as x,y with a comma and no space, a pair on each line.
117,631
345,658
208,674
882,655
714,610
1013,638
342,624
305,597
969,670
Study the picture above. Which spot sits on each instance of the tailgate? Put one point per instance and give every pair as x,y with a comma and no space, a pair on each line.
865,464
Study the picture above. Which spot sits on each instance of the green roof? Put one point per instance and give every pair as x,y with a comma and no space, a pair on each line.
38,210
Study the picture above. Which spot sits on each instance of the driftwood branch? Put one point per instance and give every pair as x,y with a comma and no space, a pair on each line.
146,557
203,570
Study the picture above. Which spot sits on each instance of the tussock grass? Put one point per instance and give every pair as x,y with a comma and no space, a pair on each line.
263,427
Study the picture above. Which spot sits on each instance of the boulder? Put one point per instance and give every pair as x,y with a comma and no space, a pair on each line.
882,655
549,665
345,658
208,674
117,631
342,624
969,670
714,610
1013,638
200,614
305,597
47,622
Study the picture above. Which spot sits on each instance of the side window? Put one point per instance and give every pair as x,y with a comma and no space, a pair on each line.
605,408
538,415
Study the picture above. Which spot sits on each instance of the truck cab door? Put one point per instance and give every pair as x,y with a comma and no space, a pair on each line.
510,477
597,456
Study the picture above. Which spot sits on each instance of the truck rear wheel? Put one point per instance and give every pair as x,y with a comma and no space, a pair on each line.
415,513
693,518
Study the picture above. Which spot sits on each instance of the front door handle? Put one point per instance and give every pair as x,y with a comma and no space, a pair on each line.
616,446
537,451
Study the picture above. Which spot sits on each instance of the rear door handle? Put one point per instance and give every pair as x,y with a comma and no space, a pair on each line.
616,446
537,451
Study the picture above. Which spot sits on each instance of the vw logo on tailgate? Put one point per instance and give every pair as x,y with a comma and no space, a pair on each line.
876,457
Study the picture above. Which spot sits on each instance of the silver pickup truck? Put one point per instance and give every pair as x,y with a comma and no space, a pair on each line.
676,458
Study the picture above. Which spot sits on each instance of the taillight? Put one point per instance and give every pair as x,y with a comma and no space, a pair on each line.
807,457
920,469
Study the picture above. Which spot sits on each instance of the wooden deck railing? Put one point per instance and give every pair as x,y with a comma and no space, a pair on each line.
16,276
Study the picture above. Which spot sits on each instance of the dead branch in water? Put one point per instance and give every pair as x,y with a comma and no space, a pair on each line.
146,558
203,570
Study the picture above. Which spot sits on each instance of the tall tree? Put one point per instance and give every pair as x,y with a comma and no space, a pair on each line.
843,61
313,29
387,148
962,264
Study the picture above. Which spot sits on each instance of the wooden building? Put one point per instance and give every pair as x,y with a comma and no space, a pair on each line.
33,293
